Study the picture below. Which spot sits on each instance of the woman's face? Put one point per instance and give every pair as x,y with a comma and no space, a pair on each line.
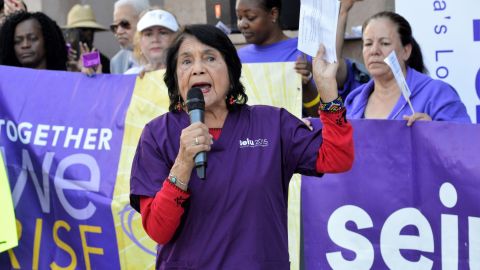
29,44
255,23
199,65
380,38
153,43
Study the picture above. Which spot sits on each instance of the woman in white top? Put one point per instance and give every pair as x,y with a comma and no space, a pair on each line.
156,30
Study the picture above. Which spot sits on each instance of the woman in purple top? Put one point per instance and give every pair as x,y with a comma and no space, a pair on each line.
381,98
258,20
236,218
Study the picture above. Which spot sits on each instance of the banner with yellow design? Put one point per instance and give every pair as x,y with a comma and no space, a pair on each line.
69,141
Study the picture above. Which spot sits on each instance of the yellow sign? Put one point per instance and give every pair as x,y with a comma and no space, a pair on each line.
8,230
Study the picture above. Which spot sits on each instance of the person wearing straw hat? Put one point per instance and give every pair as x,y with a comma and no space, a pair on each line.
79,32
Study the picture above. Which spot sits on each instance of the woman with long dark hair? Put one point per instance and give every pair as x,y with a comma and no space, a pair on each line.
381,98
32,40
259,22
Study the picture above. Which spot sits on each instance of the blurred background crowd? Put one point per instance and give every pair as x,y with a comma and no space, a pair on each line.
132,37
188,12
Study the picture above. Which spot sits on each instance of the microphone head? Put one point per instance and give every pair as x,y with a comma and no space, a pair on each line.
195,99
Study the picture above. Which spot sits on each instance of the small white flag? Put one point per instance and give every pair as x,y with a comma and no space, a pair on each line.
392,62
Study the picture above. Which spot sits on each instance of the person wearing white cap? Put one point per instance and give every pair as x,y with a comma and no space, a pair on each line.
156,30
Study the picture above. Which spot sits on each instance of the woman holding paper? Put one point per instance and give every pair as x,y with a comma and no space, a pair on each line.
381,98
259,22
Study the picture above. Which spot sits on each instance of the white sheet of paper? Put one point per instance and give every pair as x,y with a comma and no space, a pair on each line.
392,62
318,24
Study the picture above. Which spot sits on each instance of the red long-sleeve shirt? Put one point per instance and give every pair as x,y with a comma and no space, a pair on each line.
161,214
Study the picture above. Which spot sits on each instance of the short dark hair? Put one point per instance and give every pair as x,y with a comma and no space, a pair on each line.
269,4
215,38
404,30
55,48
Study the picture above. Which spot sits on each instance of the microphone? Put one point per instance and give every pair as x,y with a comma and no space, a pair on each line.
196,111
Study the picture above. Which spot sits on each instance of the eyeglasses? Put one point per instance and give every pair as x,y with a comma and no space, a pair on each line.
123,23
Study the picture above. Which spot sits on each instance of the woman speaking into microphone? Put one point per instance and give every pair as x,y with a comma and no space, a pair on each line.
236,218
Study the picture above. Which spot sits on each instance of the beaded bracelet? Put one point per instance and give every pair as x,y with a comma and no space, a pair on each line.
332,106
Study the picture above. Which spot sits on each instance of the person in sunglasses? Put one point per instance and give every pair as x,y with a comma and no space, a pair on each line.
125,18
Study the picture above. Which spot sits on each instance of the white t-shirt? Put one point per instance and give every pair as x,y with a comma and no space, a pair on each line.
134,70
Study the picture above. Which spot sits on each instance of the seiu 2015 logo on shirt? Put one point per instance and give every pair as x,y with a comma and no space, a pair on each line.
253,143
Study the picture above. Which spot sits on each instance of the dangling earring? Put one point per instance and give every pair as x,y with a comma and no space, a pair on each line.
232,100
179,105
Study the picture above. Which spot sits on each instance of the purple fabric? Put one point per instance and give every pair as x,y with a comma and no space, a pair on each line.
476,30
282,51
70,176
477,88
237,217
351,82
397,169
433,97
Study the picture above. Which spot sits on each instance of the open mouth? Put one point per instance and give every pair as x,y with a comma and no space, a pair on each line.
204,86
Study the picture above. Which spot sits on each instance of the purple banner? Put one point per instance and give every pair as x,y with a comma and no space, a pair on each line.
476,30
61,135
477,87
410,201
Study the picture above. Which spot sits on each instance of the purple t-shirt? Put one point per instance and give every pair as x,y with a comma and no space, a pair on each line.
433,97
237,217
282,51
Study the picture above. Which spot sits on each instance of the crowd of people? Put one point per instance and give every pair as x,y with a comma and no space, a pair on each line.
236,219
144,33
